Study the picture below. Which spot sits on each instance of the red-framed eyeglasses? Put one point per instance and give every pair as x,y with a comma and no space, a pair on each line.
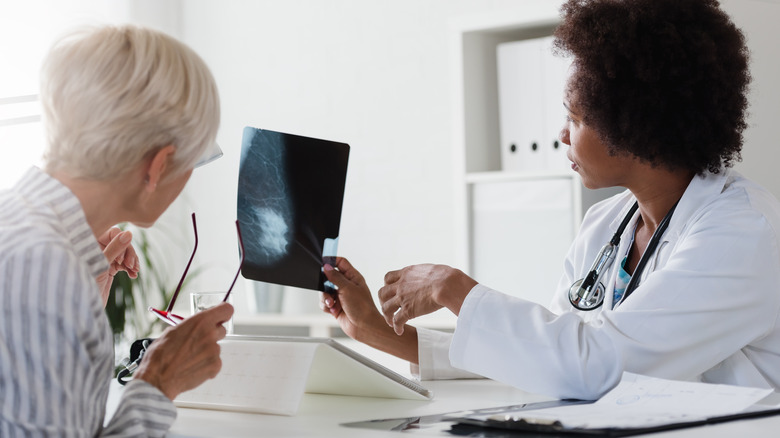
167,315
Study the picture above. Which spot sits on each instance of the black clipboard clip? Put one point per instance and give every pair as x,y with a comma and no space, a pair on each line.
507,426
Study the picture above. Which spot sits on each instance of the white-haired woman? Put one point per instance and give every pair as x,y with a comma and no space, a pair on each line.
129,112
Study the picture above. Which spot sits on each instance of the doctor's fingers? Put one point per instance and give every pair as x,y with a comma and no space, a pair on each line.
400,317
330,304
336,277
389,302
393,276
349,271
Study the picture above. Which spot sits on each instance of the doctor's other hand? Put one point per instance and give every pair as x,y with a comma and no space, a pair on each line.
421,289
186,355
351,305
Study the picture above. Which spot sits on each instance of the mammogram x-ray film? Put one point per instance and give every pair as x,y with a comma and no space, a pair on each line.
290,193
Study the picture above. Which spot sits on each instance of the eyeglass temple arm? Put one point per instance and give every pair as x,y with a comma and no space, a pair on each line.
184,275
241,246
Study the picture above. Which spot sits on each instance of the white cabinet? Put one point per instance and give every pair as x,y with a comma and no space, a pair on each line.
518,212
521,230
531,81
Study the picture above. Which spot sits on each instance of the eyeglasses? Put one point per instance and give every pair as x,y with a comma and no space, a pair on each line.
167,315
212,154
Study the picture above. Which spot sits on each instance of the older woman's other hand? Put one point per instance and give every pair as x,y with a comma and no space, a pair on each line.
421,289
351,305
118,249
187,354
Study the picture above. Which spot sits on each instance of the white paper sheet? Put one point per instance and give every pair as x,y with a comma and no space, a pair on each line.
640,401
270,379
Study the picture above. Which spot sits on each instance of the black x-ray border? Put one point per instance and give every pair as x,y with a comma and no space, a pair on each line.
290,197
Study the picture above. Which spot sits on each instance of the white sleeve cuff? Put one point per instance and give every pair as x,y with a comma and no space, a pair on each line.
433,352
459,339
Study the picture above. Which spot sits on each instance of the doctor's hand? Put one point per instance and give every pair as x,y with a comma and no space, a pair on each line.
118,249
359,317
421,289
186,355
351,305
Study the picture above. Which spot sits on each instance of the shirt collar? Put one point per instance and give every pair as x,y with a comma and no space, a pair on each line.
44,190
699,190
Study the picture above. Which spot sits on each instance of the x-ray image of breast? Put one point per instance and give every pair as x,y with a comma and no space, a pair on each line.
290,194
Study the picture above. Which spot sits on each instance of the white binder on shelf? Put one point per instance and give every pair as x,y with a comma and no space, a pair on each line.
520,95
531,81
555,69
271,374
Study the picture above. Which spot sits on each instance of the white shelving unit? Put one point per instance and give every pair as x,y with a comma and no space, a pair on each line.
515,227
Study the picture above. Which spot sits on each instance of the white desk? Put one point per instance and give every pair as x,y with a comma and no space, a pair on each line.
320,415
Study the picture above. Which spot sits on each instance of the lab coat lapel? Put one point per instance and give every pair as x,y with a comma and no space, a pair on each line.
700,191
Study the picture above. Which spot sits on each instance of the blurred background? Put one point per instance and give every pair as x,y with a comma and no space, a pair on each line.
385,77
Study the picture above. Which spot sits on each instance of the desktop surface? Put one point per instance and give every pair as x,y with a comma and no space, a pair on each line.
324,415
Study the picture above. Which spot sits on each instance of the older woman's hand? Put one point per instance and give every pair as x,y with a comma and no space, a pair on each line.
186,355
421,289
118,249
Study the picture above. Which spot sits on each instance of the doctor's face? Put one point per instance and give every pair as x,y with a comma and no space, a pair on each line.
589,155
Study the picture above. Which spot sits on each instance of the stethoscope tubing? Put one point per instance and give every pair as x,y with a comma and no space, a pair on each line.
588,292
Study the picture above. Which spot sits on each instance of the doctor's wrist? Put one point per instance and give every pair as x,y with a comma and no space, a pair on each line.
383,337
453,291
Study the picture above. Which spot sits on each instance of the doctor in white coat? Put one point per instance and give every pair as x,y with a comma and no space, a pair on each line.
656,103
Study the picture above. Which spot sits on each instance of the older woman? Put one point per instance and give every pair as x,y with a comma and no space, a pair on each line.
656,103
128,113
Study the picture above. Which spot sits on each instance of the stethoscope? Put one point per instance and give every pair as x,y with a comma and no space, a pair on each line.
588,293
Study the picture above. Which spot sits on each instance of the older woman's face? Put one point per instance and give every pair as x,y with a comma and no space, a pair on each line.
167,191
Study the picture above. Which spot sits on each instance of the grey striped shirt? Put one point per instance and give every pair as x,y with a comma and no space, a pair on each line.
56,349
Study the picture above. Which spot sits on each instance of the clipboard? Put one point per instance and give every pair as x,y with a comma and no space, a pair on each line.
271,374
520,426
637,405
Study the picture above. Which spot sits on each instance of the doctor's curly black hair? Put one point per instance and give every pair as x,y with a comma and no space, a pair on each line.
664,80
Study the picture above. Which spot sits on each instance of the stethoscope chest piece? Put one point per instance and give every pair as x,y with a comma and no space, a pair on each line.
588,292
585,298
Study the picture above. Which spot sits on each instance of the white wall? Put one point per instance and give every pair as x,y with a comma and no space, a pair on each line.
758,19
27,30
374,74
377,75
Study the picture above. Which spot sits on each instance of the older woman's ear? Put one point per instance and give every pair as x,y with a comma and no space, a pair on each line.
160,162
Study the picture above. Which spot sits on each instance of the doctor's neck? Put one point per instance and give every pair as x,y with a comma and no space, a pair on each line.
657,190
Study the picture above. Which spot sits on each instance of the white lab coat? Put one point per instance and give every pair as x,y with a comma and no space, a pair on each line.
707,307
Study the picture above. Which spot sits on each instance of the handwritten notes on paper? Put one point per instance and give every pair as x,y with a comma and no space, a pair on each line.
640,401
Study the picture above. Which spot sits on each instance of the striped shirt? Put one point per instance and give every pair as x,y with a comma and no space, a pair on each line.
56,349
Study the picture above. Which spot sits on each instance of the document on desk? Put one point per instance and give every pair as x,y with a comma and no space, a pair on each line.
645,402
